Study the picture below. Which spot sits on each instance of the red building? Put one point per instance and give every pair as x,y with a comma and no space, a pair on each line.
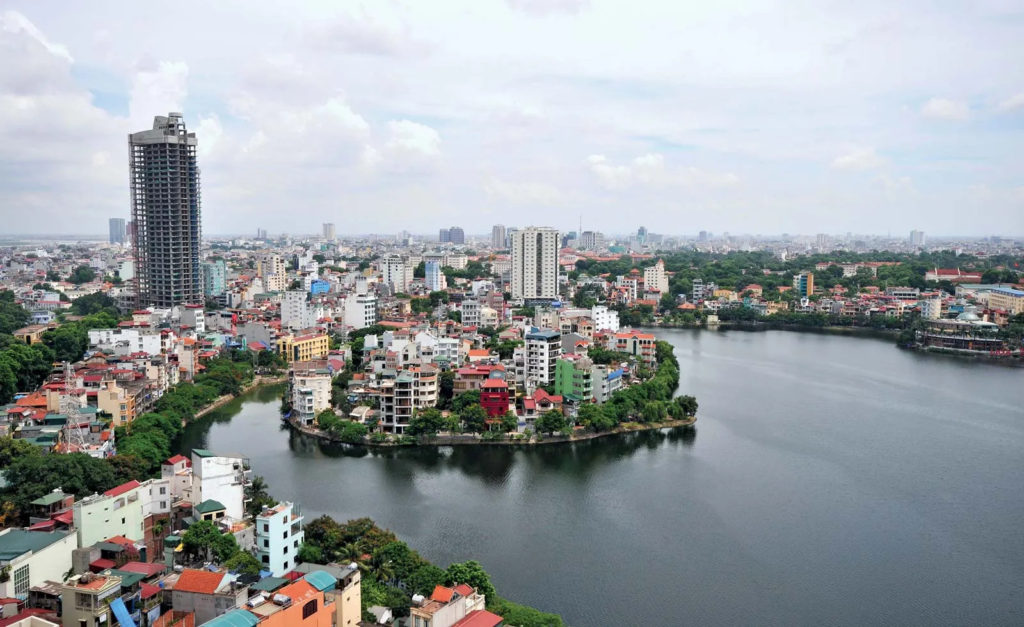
494,397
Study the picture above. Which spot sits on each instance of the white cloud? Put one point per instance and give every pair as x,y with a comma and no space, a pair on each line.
945,109
650,170
524,193
407,137
1012,103
157,89
858,159
548,7
14,22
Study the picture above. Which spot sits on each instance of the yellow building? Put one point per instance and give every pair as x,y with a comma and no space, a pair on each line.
116,401
304,347
1007,299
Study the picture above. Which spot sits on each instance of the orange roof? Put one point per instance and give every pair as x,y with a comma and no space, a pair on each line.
442,594
479,352
121,489
298,591
199,581
464,589
34,399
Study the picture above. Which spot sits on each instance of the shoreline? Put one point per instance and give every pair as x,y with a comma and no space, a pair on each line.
477,440
258,381
781,326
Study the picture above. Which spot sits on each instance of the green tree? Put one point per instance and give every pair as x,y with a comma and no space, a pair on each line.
259,497
446,386
426,422
243,563
204,541
82,274
12,315
93,304
12,450
472,574
474,419
310,554
550,422
509,422
466,399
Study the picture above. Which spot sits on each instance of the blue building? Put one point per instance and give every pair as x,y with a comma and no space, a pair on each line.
319,286
434,278
214,277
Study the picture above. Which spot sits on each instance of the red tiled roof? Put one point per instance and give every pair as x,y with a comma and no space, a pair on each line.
121,489
442,594
199,581
101,564
144,568
174,460
494,383
464,589
479,618
149,590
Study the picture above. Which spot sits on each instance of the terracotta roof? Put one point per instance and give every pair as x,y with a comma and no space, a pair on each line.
442,594
479,618
464,589
177,458
198,581
121,489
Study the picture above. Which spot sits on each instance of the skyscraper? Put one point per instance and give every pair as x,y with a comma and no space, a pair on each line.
916,238
164,181
117,231
498,236
444,236
329,233
535,263
456,235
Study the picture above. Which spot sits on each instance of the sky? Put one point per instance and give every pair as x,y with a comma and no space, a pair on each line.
389,115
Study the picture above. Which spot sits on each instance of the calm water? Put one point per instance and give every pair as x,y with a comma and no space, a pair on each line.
829,480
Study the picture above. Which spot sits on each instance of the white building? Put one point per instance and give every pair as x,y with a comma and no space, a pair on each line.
310,390
278,537
470,313
655,278
361,311
295,311
222,479
121,511
604,318
271,269
396,273
535,263
33,557
123,342
543,347
931,308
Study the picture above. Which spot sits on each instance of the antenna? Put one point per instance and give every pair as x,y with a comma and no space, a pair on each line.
69,406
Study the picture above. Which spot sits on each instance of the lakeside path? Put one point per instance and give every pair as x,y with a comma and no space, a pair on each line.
258,381
475,439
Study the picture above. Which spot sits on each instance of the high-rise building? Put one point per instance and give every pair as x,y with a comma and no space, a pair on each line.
641,235
591,240
329,233
916,238
271,268
456,235
444,236
655,278
396,272
164,180
117,231
535,263
434,279
498,236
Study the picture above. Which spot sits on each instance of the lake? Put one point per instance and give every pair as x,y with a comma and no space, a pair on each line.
829,480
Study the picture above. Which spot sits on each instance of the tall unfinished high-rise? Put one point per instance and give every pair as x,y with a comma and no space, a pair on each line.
166,214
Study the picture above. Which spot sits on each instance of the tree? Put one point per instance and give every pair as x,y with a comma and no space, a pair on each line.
509,422
472,574
446,386
474,418
259,497
654,411
204,541
594,417
93,304
296,284
352,432
550,422
243,563
11,450
425,578
12,315
52,276
466,399
426,422
310,554
82,274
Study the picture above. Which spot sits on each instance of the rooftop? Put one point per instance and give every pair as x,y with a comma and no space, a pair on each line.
16,542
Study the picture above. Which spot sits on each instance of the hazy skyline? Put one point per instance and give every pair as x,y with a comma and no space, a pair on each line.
386,116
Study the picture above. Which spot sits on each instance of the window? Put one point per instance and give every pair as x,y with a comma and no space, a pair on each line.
21,580
309,609
163,490
266,543
266,559
266,528
284,534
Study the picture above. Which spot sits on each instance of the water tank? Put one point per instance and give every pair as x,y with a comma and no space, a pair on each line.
418,599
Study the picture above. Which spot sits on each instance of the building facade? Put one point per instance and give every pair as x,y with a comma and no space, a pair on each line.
535,263
278,537
118,233
166,218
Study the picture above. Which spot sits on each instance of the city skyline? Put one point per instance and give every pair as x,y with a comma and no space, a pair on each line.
810,125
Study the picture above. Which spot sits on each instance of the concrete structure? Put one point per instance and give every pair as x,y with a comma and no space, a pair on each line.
931,309
470,313
345,591
124,342
32,557
329,233
1007,299
271,268
494,397
604,318
396,272
535,263
296,313
118,234
404,392
542,347
803,284
166,219
446,606
638,344
574,378
85,600
606,380
278,536
208,594
916,238
361,311
122,511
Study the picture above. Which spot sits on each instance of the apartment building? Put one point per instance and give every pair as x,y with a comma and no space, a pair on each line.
542,347
278,537
305,347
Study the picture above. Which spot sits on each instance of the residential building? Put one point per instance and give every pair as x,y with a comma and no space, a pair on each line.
116,401
931,308
953,275
220,478
604,319
641,345
655,278
535,264
305,347
574,378
434,279
456,235
295,310
1007,299
446,606
32,557
470,313
591,240
903,293
498,236
214,278
803,284
606,381
329,233
341,585
404,392
126,510
916,238
310,387
278,536
361,311
117,231
207,594
166,219
396,272
86,599
271,268
542,347
494,397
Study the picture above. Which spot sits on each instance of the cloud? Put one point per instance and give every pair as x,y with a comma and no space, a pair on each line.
14,22
524,193
384,35
944,109
858,159
157,89
544,8
1012,103
650,170
412,138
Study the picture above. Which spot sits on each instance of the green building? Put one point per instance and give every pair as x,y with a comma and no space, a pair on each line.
574,380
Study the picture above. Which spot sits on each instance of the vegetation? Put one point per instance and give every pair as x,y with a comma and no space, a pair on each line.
82,274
